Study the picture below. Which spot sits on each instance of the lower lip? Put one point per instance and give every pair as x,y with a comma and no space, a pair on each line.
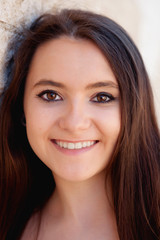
73,152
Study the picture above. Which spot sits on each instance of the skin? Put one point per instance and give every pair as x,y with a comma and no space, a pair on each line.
71,95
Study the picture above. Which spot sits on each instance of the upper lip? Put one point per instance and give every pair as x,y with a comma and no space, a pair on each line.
71,141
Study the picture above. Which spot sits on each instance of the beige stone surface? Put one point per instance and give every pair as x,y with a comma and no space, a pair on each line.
140,18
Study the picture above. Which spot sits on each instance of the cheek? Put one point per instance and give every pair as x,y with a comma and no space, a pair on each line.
39,117
37,127
36,122
35,132
109,123
41,125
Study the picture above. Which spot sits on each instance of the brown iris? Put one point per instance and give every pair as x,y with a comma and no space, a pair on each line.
102,97
51,95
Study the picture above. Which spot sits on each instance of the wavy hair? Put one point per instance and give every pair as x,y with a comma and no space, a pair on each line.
26,183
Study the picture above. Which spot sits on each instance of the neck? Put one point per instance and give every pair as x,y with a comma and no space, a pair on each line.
80,210
82,200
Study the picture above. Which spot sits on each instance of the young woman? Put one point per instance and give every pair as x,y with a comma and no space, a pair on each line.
79,141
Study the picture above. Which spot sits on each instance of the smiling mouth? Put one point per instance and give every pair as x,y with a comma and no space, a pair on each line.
76,145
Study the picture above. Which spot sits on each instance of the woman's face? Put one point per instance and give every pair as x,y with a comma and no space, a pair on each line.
72,110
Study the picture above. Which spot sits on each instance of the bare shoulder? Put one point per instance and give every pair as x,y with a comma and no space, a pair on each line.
31,229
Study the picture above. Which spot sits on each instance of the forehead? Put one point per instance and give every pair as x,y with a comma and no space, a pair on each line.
67,59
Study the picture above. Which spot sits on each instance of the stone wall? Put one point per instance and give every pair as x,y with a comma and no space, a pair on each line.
140,18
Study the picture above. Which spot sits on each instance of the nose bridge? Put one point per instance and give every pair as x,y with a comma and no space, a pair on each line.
75,116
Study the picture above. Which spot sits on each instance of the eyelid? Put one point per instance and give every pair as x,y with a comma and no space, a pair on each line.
41,95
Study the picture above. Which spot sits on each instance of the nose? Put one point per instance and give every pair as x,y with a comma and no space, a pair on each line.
75,118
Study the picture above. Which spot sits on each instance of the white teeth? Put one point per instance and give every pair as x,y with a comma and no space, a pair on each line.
77,145
65,145
70,146
84,144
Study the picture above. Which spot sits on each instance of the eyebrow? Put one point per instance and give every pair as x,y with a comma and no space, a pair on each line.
102,84
45,82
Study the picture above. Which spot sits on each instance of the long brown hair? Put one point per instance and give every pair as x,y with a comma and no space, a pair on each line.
26,183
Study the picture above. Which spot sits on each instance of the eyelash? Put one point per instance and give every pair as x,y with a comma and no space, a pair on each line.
104,97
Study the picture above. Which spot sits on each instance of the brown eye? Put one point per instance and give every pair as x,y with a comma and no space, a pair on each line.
49,96
103,97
